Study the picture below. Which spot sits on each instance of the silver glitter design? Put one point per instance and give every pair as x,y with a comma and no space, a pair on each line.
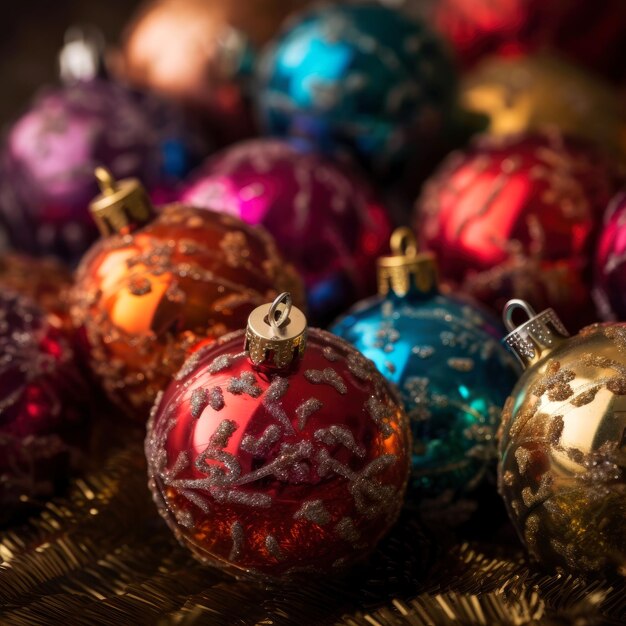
360,367
182,463
336,434
273,548
222,434
196,499
259,446
416,389
222,363
461,365
199,401
313,511
190,364
238,537
271,402
346,529
327,376
216,399
330,354
306,409
245,384
184,518
423,352
254,500
379,412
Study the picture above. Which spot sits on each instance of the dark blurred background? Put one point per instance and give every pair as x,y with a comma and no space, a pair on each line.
31,34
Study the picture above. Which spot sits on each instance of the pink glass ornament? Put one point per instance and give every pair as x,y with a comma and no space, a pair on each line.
326,220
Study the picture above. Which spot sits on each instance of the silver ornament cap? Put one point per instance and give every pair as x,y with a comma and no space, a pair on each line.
534,338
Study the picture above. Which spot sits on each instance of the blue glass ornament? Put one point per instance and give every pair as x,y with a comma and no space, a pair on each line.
445,357
357,78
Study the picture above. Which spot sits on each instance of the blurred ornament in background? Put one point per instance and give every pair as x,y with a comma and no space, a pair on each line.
358,80
44,408
200,53
531,93
444,355
610,262
155,284
517,216
44,280
562,470
289,455
51,151
589,33
325,218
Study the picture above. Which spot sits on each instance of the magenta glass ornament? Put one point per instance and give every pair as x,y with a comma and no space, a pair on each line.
610,264
275,469
325,218
50,155
43,406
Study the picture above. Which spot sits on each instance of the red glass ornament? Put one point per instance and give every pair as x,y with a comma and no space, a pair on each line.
278,471
591,33
516,217
43,406
143,298
610,263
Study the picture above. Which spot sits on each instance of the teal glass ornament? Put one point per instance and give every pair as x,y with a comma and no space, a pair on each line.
359,79
444,355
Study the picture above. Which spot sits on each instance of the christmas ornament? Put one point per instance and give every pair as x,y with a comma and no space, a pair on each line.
517,216
562,470
51,152
325,219
443,353
294,434
156,284
610,272
589,33
45,281
360,79
199,53
43,406
530,93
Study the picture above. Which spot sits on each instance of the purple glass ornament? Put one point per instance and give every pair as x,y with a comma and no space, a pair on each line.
325,218
610,267
51,152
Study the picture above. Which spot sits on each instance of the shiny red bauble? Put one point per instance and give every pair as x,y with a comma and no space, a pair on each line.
590,33
43,407
275,473
610,263
516,217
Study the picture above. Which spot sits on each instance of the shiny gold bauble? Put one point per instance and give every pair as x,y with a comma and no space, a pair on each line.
143,299
531,93
562,468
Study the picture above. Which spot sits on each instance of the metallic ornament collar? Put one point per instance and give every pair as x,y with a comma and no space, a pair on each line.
536,337
406,269
276,336
122,206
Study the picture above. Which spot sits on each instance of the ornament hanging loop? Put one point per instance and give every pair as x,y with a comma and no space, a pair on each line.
511,307
537,336
277,319
403,242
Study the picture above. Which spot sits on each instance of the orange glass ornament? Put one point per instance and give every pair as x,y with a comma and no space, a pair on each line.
158,283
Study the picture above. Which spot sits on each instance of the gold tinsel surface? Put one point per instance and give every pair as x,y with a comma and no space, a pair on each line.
102,555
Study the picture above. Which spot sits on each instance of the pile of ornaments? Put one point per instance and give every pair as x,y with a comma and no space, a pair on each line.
173,218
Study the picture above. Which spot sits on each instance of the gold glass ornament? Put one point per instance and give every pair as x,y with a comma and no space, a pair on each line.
530,93
562,470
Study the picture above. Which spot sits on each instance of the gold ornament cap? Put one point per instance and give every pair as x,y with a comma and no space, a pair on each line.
122,206
276,333
407,269
536,337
